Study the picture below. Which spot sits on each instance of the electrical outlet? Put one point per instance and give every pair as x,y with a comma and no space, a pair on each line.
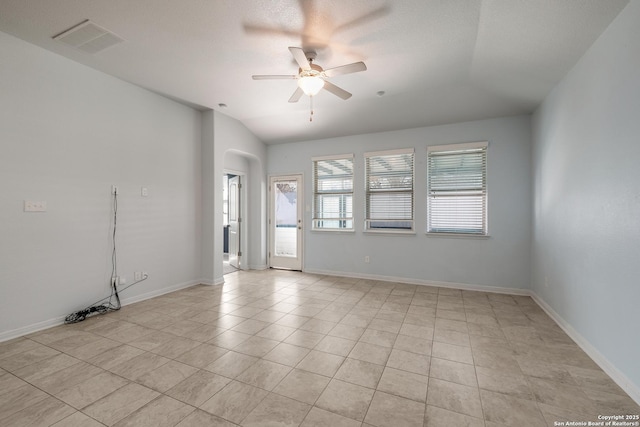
114,189
366,259
137,275
31,206
114,280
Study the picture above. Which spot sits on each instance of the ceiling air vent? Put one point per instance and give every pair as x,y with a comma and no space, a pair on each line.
88,37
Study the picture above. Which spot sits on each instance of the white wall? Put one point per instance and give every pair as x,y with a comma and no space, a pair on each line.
499,261
67,133
235,162
209,237
586,241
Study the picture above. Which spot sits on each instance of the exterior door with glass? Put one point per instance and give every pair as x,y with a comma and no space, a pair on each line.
285,222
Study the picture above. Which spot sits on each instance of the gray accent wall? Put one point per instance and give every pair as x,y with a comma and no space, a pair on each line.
500,261
586,177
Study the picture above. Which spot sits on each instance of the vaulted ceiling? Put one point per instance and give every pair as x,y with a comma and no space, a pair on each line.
437,61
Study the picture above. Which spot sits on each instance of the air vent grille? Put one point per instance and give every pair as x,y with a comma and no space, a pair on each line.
88,37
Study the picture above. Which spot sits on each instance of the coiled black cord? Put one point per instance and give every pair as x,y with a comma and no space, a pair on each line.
99,307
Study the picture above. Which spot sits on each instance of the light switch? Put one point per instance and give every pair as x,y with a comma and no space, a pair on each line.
33,206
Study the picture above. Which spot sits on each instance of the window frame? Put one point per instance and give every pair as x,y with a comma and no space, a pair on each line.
367,195
315,220
459,149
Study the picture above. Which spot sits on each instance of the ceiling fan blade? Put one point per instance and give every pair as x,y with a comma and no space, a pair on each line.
272,77
300,57
341,93
345,69
296,95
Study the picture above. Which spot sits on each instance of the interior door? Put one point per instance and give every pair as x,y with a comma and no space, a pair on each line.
285,222
234,221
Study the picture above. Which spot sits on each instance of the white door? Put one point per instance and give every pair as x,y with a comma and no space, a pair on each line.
234,221
285,222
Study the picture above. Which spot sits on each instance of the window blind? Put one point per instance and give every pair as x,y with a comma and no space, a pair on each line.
333,193
389,190
457,189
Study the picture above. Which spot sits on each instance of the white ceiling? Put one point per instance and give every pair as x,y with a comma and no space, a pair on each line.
439,61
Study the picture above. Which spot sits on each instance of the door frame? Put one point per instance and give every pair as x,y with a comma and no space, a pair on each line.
235,260
301,223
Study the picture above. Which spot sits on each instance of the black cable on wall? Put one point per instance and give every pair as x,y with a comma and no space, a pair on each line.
107,304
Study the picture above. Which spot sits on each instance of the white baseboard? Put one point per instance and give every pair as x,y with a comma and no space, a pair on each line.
621,379
57,321
29,329
158,292
258,267
453,285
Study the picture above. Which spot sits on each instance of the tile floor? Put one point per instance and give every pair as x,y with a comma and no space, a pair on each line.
226,267
278,348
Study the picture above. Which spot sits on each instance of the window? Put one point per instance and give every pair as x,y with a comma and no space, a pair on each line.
457,188
333,192
389,190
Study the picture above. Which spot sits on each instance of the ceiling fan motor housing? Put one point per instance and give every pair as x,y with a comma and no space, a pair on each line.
315,70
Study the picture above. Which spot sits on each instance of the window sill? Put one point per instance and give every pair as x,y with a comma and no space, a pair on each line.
458,235
333,230
391,232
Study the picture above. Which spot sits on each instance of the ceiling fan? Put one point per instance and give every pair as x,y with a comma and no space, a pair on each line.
312,78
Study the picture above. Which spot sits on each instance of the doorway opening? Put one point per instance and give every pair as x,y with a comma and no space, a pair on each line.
231,221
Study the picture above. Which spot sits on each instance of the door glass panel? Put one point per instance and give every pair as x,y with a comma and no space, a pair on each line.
286,217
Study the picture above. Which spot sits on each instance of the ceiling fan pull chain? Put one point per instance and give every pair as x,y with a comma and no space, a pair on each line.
311,108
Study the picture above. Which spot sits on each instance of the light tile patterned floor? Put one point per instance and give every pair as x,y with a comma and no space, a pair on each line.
279,348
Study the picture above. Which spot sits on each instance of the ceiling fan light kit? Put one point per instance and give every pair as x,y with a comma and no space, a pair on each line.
311,84
312,78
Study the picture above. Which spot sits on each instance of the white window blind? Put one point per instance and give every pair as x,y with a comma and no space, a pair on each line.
389,190
333,192
457,189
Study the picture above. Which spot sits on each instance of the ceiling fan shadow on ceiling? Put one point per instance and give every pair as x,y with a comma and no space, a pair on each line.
319,26
312,78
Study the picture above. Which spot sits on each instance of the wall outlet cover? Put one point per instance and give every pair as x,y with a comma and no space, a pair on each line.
35,206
